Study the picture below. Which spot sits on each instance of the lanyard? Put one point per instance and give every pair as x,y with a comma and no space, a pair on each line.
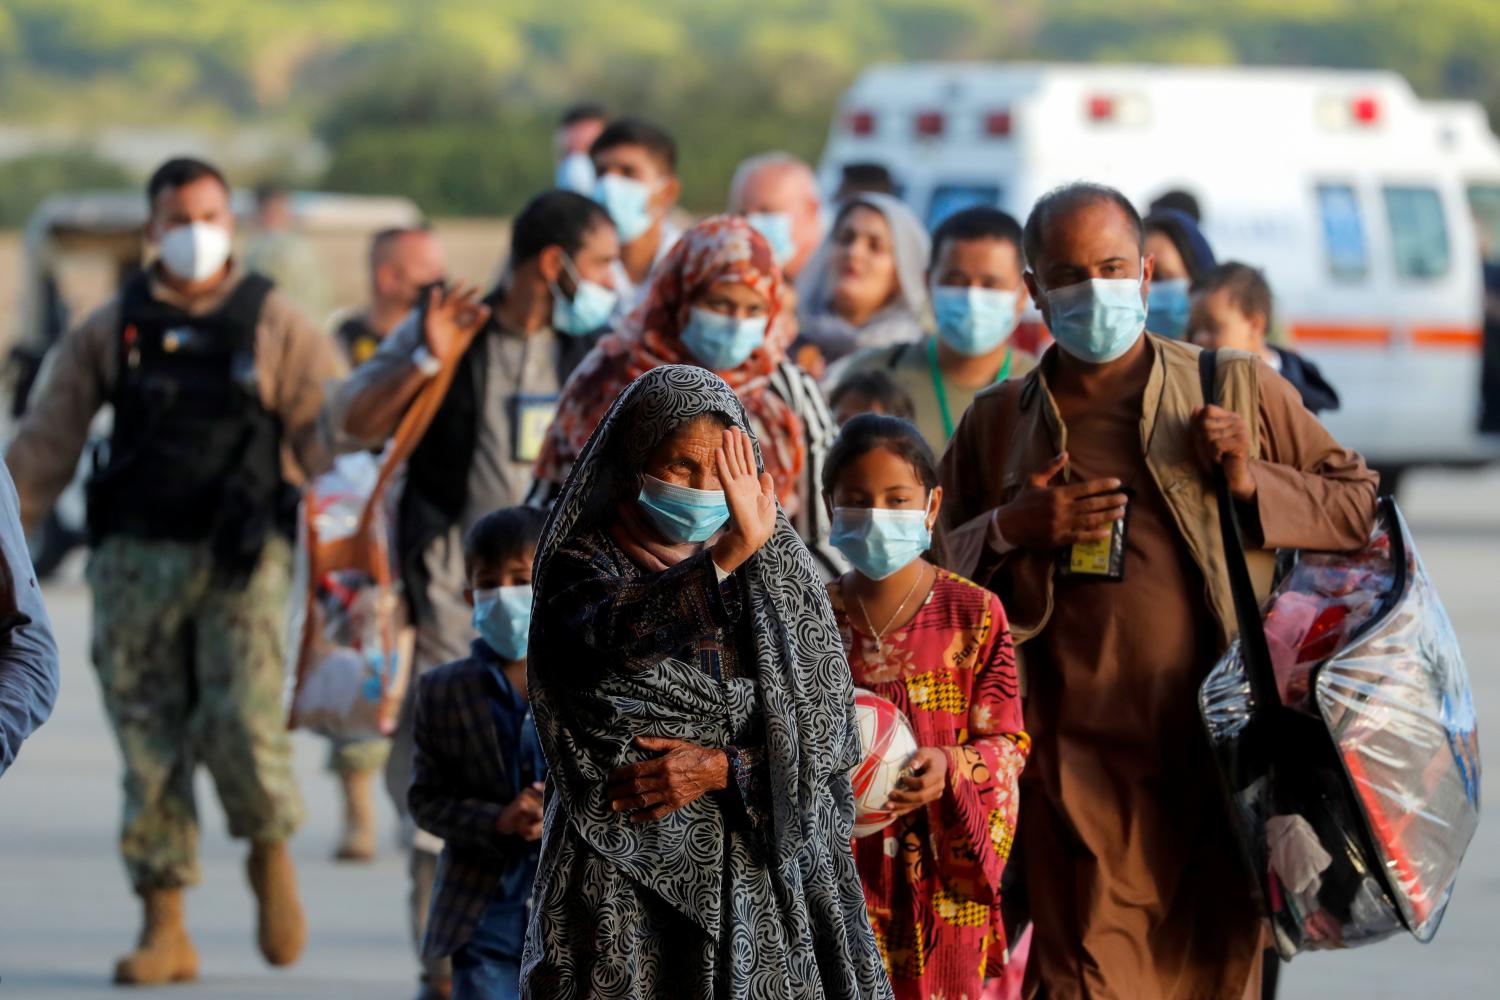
937,382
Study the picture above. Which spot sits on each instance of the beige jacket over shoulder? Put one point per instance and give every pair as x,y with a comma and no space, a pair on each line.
294,361
1311,493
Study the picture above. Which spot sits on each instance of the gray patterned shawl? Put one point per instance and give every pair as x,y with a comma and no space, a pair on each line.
804,693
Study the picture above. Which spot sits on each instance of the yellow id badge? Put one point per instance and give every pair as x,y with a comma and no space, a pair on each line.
531,418
1090,557
1101,560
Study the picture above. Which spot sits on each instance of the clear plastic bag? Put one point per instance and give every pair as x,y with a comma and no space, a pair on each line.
1358,794
349,650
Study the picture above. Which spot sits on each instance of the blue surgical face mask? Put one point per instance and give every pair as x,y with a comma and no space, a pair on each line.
587,311
974,321
1167,307
879,541
576,173
628,203
681,513
776,227
502,617
1097,320
722,342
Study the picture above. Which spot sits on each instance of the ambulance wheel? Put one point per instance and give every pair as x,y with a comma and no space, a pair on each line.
50,544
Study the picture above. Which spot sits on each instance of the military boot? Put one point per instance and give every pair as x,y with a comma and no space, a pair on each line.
164,953
282,929
358,843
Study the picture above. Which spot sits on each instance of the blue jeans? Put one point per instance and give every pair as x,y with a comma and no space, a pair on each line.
488,966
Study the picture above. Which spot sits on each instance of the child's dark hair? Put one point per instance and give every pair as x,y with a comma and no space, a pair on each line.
877,387
1247,288
868,431
503,534
981,222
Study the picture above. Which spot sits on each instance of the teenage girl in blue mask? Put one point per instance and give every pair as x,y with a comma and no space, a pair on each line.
938,646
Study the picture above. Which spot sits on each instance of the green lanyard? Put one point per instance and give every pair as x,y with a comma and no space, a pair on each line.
937,382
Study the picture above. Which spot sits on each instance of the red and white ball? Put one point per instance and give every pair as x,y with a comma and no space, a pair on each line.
887,744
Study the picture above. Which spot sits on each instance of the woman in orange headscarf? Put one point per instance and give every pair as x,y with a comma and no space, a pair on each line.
718,301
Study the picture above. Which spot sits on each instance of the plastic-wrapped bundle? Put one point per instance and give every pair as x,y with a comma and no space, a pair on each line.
1355,777
348,647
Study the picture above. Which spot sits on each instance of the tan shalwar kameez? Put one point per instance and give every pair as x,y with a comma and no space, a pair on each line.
1135,884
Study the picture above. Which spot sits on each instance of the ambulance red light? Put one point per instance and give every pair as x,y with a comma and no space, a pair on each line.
997,124
862,123
1101,108
929,124
1365,110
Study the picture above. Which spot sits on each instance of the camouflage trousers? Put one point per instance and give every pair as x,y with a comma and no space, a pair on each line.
191,671
358,756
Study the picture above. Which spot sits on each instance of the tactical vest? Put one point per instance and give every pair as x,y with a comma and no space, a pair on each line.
194,456
358,340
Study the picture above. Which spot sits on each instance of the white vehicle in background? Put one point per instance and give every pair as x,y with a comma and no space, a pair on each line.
1356,198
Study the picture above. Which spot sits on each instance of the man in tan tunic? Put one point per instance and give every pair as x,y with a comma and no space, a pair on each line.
1081,495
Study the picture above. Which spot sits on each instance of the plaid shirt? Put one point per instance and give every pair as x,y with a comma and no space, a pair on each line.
462,780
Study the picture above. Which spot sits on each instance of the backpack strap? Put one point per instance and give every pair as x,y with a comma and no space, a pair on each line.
1252,633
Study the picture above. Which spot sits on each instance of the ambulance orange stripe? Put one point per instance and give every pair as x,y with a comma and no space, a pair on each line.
1321,333
1462,338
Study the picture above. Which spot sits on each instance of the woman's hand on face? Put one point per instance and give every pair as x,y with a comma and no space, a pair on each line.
928,769
751,499
682,773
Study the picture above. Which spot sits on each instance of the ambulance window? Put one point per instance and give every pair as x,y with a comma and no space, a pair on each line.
1484,202
1419,234
948,199
1343,232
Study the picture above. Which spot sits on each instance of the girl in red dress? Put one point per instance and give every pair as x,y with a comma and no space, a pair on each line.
939,647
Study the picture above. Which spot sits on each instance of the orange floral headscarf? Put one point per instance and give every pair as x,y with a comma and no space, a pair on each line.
721,249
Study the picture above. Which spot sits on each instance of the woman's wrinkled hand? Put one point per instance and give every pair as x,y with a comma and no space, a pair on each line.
751,499
682,773
927,772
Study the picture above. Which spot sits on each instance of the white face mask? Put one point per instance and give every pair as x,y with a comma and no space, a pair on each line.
195,252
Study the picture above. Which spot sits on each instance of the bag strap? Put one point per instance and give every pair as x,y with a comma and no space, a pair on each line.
413,426
1253,648
365,549
356,552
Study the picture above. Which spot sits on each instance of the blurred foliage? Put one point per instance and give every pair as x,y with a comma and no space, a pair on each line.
26,180
451,100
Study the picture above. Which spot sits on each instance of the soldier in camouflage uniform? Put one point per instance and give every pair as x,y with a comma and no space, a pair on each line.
216,382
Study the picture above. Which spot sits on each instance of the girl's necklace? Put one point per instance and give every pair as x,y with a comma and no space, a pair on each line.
869,624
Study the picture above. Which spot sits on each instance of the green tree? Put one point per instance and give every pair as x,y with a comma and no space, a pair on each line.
28,180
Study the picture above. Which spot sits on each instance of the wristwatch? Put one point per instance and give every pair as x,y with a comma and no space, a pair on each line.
425,362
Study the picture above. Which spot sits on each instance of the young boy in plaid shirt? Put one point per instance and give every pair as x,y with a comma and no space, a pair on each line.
478,769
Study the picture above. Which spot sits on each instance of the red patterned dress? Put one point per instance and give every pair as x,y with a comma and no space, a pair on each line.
932,878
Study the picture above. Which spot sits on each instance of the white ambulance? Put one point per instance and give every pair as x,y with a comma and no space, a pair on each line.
1356,198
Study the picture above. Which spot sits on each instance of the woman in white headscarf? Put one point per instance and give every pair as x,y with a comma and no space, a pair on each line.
866,285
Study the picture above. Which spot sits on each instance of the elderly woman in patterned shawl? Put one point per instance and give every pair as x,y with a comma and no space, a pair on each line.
692,698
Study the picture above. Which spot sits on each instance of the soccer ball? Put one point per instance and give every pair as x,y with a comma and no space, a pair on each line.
887,744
